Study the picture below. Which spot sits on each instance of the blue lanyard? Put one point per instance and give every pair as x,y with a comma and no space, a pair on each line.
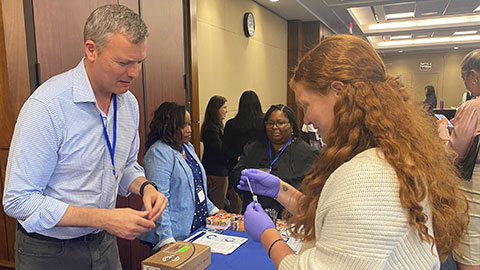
281,151
192,165
105,133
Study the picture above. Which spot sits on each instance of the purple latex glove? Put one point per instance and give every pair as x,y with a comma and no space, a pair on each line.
256,221
262,182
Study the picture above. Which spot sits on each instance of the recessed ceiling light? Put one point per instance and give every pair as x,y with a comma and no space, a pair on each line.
400,51
425,23
274,0
477,9
455,48
429,13
428,41
400,37
399,15
464,33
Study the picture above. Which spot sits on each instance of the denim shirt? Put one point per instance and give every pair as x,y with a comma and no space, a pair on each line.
167,168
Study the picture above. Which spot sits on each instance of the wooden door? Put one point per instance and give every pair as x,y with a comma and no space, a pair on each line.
59,33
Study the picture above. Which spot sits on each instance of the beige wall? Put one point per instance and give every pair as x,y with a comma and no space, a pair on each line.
229,62
444,75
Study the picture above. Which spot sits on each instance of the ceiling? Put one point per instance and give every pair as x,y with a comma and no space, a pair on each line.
429,25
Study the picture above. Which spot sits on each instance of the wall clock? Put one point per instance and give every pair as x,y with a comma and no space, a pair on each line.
249,24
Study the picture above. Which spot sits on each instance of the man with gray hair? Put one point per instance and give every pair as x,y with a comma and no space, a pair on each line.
75,148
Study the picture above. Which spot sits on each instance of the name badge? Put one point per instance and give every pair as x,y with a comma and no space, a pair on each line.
200,194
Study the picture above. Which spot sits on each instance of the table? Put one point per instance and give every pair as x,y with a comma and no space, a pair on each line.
250,255
449,113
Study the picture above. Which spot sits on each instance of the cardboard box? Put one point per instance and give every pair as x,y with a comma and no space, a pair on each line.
179,256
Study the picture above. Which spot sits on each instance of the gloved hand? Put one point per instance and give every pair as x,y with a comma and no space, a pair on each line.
256,221
262,182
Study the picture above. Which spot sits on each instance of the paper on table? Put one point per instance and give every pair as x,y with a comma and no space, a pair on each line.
294,243
219,243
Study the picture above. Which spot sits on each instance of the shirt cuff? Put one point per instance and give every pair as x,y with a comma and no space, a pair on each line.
213,211
46,217
158,246
131,173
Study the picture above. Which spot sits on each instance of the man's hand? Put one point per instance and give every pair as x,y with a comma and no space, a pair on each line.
154,202
125,222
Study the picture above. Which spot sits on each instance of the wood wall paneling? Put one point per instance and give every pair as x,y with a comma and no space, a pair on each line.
6,118
59,41
191,13
8,223
7,257
295,52
311,35
302,36
18,89
164,67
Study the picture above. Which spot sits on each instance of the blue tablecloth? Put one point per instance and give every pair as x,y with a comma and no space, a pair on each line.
250,255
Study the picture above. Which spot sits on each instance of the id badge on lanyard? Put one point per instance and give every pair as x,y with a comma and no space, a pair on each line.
200,193
198,181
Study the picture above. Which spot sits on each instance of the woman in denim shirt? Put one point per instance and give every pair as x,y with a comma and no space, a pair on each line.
172,164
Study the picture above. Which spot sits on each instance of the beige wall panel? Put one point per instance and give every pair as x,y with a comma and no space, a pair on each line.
229,62
453,85
445,66
271,76
211,64
211,12
269,28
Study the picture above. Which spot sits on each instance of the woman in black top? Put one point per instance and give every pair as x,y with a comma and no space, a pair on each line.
430,102
247,126
213,160
281,152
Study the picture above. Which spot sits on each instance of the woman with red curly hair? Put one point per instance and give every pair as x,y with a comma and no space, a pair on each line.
383,194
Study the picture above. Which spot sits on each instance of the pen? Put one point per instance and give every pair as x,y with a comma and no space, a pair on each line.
255,200
196,237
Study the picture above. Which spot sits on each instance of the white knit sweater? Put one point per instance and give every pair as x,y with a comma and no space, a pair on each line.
361,224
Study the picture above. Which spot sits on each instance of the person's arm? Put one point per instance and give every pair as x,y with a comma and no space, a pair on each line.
241,164
122,222
467,125
159,165
288,196
279,249
31,162
153,200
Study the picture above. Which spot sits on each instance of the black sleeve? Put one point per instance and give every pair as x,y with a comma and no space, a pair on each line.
211,139
228,142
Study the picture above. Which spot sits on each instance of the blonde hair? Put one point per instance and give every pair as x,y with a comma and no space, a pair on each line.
376,110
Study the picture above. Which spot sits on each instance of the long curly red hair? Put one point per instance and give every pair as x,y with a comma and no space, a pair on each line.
377,110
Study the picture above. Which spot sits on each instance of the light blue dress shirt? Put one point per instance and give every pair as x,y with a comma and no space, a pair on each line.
167,168
59,156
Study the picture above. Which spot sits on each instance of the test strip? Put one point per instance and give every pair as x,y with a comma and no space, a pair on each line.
255,200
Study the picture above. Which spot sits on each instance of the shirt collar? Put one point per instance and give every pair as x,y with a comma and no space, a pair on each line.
82,89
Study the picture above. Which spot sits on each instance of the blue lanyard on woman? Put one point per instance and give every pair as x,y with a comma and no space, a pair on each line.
111,147
192,165
281,151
